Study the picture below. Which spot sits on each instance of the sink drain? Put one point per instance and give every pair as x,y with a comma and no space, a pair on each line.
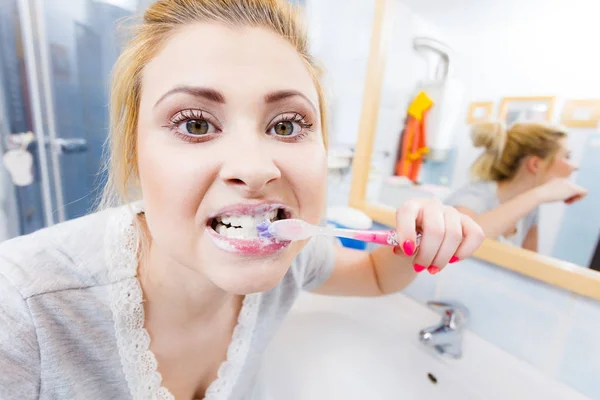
432,378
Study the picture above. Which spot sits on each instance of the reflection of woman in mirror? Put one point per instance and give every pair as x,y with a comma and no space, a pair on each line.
521,168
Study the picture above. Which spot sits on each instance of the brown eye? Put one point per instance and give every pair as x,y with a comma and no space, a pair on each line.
197,127
284,128
288,126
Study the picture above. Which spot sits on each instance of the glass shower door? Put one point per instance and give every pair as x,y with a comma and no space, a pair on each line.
60,54
27,213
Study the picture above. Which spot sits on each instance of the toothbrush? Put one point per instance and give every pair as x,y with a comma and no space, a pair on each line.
296,229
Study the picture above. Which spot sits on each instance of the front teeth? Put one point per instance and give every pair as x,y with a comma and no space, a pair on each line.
242,226
244,221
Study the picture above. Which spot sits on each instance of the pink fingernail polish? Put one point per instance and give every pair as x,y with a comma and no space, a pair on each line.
433,270
409,247
418,268
453,260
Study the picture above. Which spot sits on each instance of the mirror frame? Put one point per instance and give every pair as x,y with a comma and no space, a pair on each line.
571,106
562,274
487,105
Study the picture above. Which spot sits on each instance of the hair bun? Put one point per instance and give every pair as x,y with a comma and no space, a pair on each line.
491,135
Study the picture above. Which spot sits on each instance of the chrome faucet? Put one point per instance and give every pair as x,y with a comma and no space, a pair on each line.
446,337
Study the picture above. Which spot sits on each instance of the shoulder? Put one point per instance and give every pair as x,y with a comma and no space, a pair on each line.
479,196
315,262
65,256
486,188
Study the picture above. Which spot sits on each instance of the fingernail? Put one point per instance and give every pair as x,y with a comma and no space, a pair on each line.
453,260
433,270
408,247
418,268
397,250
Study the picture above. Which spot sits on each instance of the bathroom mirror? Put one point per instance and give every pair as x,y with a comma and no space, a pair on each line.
447,52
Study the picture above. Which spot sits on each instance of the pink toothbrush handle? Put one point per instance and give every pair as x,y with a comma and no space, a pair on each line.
388,238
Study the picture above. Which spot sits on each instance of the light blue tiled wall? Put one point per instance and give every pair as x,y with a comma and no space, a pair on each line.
580,363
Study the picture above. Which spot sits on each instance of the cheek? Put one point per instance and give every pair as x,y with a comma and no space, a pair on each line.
306,170
173,176
561,168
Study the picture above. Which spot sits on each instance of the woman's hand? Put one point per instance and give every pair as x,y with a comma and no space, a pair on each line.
447,235
560,189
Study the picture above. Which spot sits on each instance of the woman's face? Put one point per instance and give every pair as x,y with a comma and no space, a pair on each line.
229,134
561,165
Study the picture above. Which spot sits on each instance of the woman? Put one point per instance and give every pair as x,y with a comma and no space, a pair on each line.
217,122
521,168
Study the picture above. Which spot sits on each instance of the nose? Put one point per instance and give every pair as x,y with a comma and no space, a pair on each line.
249,166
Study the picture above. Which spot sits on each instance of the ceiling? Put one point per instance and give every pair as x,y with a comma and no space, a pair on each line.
471,16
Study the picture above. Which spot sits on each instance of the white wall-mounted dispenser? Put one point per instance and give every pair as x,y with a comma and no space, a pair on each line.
446,91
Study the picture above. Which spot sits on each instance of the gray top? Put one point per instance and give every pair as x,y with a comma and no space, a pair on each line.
71,315
482,196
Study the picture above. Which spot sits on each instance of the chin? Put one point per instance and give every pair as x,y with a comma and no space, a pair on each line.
244,273
248,276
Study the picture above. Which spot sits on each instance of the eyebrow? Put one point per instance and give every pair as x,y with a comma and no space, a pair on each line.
209,94
280,95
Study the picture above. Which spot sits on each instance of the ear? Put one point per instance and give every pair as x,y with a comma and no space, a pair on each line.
534,164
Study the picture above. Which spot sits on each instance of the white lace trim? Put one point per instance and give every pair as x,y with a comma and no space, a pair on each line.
139,363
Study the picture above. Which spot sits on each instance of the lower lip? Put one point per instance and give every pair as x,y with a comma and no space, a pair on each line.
247,247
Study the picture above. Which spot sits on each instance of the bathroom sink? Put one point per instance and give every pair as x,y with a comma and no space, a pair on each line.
352,348
326,355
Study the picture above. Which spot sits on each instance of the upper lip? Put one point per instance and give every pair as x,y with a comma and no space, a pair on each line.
251,209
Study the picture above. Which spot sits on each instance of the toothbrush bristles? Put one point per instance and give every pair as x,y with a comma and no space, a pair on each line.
263,229
263,225
265,235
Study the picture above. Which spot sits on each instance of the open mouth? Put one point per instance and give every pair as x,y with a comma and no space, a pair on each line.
243,225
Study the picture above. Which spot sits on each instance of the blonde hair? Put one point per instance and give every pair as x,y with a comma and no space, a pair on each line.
160,21
506,148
